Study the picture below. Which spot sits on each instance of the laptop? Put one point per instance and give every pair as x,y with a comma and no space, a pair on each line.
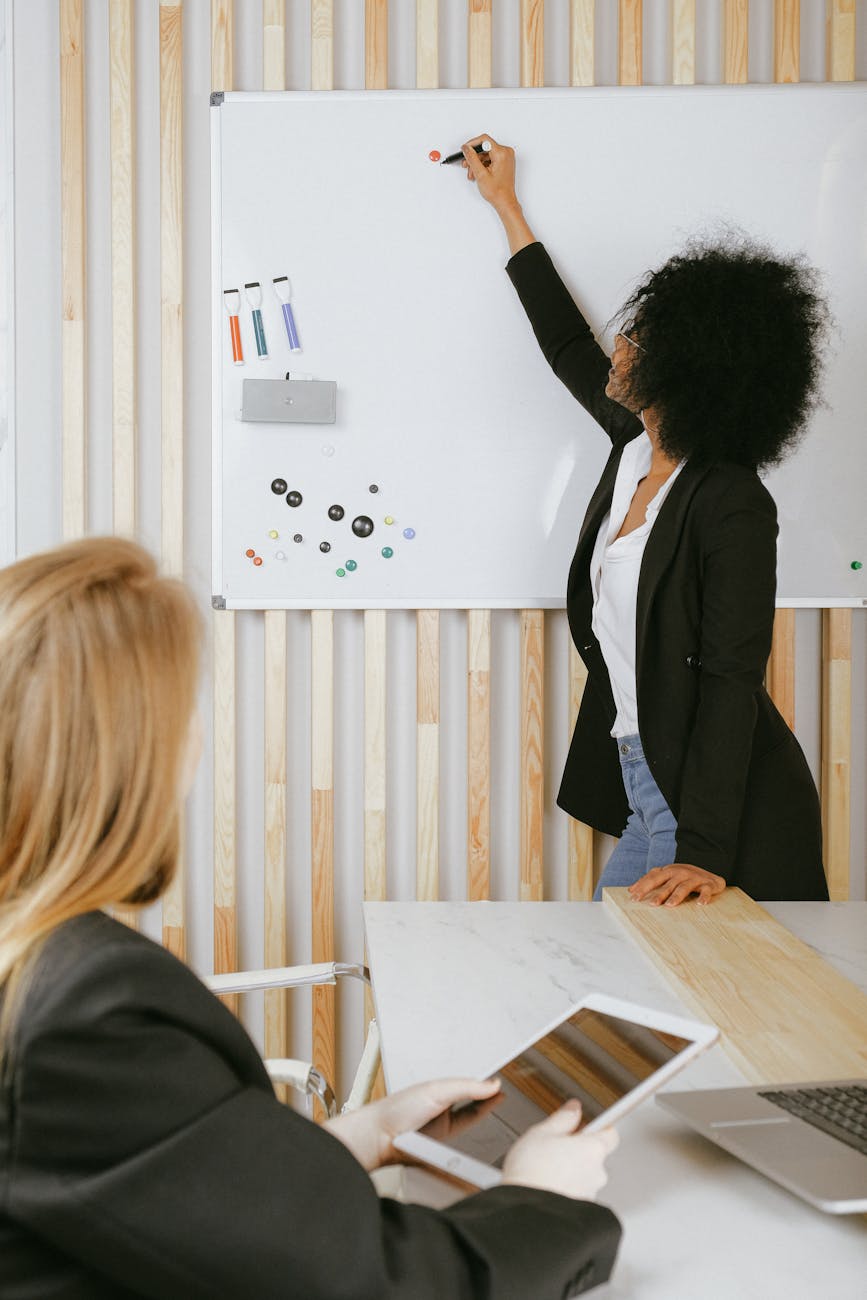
811,1138
608,1053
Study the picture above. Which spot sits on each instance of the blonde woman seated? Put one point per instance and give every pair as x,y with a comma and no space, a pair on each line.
142,1149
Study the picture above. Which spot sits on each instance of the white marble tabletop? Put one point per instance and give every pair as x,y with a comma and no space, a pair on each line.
458,985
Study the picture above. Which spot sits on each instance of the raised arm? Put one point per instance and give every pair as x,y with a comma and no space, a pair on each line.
561,331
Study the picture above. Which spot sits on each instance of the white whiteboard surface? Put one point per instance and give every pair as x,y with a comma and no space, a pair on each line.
444,400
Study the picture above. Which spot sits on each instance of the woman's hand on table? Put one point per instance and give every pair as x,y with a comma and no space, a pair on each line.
494,174
673,884
555,1157
370,1131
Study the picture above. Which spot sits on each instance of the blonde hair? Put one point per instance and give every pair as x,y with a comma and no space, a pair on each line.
98,679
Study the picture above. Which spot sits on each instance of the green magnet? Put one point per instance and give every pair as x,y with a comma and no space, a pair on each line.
351,566
387,552
341,573
856,564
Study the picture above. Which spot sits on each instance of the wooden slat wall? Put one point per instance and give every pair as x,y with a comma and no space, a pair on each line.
73,240
836,684
223,626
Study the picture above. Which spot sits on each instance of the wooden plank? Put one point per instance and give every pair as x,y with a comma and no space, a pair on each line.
322,44
532,794
582,41
736,28
478,754
784,1014
427,44
375,696
581,876
123,371
780,672
274,44
787,40
276,1007
629,44
840,45
73,240
479,56
683,42
222,44
427,753
376,44
322,831
172,354
225,799
836,779
532,42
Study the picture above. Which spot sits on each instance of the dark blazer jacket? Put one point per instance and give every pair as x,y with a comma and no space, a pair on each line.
730,769
143,1153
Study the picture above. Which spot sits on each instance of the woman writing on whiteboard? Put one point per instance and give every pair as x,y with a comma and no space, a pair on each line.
142,1149
678,749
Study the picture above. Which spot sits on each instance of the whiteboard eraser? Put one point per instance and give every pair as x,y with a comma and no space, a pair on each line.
289,401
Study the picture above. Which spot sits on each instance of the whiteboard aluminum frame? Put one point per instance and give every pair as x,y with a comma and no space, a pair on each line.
8,493
218,99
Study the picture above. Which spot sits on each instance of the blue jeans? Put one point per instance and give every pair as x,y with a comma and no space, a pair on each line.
648,838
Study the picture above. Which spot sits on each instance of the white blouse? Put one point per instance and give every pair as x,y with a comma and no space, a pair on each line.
614,573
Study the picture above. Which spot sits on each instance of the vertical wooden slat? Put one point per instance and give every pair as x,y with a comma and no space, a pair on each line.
532,42
172,352
629,45
276,670
836,747
375,777
582,64
787,40
222,44
427,753
837,623
780,674
532,753
479,43
122,266
427,70
276,1008
840,47
225,732
73,241
735,41
683,42
123,395
273,44
322,831
478,754
376,44
322,44
581,882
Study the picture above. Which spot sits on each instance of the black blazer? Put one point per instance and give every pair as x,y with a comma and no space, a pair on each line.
730,769
143,1153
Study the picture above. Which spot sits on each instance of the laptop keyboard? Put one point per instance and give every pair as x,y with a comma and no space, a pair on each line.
840,1111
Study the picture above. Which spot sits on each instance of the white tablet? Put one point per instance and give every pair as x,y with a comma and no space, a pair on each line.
608,1053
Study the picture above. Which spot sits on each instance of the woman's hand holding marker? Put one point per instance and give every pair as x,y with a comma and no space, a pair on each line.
494,173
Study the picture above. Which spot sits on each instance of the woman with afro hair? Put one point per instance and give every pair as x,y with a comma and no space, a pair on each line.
678,749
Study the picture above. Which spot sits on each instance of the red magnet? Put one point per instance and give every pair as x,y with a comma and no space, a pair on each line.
249,554
434,155
258,560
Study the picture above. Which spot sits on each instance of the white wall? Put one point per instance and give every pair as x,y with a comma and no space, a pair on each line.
37,322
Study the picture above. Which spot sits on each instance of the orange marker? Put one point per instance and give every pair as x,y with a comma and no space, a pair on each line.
232,300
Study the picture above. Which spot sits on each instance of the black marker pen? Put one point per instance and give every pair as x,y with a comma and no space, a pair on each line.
484,147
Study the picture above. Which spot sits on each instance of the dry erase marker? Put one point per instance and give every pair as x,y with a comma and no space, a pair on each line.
283,292
232,299
484,147
254,298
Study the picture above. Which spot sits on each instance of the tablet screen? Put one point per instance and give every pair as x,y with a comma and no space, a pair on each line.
593,1056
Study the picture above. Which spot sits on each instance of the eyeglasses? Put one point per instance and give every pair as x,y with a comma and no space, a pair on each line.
624,334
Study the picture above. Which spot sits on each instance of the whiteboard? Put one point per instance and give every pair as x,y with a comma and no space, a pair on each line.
480,459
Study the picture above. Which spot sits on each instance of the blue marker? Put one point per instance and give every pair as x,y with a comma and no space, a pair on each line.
283,292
